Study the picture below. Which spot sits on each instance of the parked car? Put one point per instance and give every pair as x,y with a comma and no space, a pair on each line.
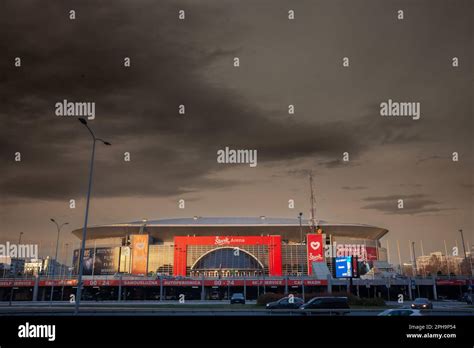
286,303
237,298
340,303
422,303
405,312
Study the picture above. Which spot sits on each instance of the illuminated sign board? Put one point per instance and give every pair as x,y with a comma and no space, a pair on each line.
343,267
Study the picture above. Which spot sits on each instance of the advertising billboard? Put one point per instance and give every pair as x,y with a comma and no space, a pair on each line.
97,261
314,249
139,246
343,267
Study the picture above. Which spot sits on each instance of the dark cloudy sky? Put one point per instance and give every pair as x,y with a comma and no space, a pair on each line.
282,62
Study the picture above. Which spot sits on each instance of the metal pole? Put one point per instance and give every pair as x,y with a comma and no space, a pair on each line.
84,232
414,259
64,272
464,248
388,252
301,227
55,257
54,266
399,257
203,294
120,289
446,256
302,290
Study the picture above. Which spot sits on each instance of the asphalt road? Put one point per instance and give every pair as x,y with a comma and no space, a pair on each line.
199,308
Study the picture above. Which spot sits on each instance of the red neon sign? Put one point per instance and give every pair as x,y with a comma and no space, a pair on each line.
315,250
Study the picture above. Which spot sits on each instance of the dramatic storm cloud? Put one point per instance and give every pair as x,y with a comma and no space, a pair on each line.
282,62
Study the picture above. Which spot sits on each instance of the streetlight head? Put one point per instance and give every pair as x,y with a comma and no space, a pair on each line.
301,214
52,220
107,143
82,120
66,223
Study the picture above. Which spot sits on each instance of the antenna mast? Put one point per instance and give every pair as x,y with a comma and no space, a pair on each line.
312,219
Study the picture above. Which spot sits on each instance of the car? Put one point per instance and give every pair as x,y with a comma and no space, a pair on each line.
466,297
340,303
289,302
403,312
237,298
215,295
422,303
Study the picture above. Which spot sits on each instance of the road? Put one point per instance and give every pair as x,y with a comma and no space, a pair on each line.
198,308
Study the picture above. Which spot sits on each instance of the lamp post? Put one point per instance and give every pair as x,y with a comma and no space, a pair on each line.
53,264
300,216
84,230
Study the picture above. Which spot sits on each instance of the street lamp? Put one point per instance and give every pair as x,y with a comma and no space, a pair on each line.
300,216
84,230
55,256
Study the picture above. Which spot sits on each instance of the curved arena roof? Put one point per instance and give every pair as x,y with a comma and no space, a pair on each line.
288,228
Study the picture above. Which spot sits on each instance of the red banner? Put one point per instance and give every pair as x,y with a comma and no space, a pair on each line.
19,283
315,247
166,282
451,282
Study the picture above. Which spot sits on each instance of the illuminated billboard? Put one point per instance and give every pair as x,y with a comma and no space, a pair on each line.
343,267
315,250
139,246
97,261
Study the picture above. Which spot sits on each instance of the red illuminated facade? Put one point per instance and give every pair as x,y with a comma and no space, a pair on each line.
273,243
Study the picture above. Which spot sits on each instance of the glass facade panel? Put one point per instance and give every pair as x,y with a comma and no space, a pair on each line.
160,258
294,259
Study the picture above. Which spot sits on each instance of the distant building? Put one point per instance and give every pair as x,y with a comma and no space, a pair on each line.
51,267
438,264
34,267
17,266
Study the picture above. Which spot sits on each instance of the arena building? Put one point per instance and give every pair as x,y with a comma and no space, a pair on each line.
224,246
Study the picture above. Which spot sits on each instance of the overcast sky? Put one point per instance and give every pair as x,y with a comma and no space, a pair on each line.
282,62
